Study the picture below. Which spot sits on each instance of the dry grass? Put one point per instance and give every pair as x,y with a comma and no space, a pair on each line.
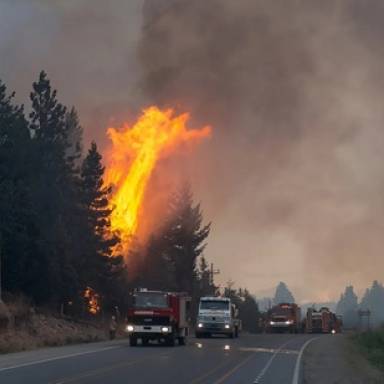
27,330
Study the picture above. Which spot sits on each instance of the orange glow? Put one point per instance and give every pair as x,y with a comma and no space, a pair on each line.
93,301
133,156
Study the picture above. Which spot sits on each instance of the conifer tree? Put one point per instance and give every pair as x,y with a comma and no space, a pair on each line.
185,236
101,267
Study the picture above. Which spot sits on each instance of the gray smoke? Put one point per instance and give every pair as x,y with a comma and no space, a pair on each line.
293,176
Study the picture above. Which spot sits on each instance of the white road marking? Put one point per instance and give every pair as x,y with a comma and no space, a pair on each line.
269,362
269,350
296,374
55,358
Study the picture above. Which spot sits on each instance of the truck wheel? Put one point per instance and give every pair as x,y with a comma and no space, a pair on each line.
133,341
232,335
182,340
198,335
171,341
236,332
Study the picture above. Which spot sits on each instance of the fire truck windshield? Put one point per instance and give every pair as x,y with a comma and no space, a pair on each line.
215,305
151,300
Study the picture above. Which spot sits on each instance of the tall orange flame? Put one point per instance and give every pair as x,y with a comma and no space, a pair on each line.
132,158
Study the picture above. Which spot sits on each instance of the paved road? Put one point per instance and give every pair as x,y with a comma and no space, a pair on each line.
250,359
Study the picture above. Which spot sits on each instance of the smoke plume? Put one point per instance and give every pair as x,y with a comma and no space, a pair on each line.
293,175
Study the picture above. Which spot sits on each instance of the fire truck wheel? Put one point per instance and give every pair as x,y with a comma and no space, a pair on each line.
182,341
171,340
133,341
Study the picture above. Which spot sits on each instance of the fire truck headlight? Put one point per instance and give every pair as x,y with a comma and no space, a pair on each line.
130,328
272,322
226,326
164,329
200,325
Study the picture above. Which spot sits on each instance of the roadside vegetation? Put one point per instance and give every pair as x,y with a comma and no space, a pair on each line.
371,345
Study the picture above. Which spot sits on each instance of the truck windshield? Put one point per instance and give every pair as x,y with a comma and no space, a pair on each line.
215,305
151,300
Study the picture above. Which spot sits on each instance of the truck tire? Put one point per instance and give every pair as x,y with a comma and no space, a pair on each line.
133,341
171,341
236,332
182,340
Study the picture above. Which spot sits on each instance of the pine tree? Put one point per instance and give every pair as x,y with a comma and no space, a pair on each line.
373,300
55,196
347,307
283,294
74,137
17,230
101,268
185,235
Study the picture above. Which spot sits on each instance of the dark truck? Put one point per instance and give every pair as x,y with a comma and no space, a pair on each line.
157,315
322,321
284,317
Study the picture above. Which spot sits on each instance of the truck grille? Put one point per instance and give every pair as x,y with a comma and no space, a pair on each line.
149,320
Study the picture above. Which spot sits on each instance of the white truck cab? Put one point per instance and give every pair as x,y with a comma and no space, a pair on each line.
217,315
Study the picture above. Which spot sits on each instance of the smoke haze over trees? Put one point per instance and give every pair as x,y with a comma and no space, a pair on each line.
283,294
347,307
293,90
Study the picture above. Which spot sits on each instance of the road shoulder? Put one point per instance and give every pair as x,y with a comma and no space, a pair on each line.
334,359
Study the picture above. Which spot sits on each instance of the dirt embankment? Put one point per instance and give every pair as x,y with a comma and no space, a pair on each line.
336,360
23,328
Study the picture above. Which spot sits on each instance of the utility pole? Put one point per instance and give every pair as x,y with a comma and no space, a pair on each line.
212,272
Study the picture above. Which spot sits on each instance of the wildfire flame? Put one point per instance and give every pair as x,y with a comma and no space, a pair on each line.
133,156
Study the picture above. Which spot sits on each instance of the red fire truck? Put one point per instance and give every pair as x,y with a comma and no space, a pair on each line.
322,321
156,315
284,317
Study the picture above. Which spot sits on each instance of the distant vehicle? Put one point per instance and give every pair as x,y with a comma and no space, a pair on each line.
284,317
217,315
156,315
322,321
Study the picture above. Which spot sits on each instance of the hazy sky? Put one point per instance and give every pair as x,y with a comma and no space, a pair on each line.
293,176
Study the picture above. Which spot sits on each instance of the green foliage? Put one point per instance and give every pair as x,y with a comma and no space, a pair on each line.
248,309
372,345
54,215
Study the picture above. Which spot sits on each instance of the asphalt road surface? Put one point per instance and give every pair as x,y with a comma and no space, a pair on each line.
250,359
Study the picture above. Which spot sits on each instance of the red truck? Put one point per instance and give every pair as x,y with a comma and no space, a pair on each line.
284,317
322,321
157,315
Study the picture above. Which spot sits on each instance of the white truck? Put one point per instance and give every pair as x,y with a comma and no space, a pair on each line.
217,315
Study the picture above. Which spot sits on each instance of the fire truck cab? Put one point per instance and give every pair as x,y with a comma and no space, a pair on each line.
157,315
284,317
322,321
